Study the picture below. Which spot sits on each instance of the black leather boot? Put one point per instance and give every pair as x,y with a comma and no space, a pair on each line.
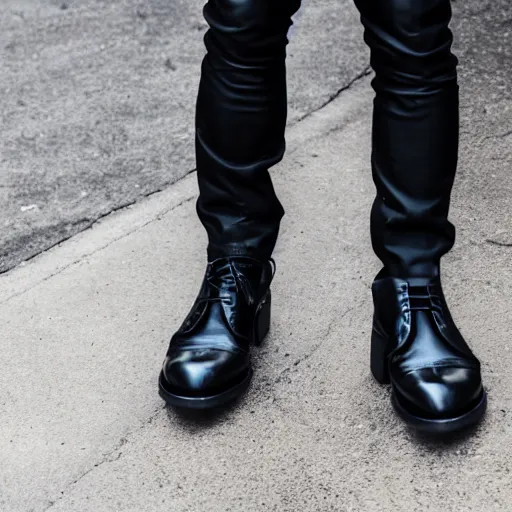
209,361
435,378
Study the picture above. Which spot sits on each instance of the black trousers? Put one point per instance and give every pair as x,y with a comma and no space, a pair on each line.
241,117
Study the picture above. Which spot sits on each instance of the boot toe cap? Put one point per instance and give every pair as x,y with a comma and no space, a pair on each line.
201,372
439,393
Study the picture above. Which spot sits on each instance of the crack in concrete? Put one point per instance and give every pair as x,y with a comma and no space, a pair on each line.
288,369
506,134
317,346
501,244
83,256
90,222
498,136
367,70
106,457
324,337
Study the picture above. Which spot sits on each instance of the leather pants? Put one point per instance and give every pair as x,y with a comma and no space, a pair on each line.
241,117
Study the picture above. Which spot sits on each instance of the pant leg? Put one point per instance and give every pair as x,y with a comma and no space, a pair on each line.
240,122
415,131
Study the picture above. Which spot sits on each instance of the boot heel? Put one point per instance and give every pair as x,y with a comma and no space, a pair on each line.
379,358
262,320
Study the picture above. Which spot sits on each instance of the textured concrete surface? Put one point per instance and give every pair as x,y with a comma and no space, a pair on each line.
86,324
97,103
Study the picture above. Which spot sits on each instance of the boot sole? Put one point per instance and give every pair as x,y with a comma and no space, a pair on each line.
202,402
441,426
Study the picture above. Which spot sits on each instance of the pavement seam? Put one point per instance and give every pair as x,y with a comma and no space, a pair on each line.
89,254
90,222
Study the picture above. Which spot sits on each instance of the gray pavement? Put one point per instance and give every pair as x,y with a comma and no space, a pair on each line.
85,326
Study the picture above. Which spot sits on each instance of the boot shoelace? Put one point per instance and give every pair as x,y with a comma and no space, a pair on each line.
420,299
241,282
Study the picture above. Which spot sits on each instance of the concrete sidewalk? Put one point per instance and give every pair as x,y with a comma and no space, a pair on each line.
85,327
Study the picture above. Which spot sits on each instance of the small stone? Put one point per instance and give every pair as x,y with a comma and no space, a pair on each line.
199,25
141,14
29,207
169,65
